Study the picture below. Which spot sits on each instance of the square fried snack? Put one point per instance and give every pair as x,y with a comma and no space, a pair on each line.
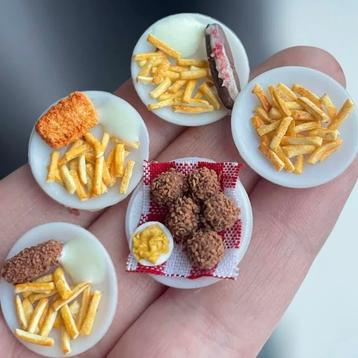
67,120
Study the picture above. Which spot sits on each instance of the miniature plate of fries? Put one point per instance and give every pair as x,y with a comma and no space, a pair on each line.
44,321
98,169
177,88
296,127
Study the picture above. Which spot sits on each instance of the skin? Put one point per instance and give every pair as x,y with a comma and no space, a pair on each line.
228,319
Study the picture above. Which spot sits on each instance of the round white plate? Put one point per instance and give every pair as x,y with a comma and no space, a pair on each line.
246,139
107,308
241,66
39,154
134,212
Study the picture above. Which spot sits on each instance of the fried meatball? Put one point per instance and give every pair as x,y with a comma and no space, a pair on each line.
183,218
203,183
220,212
205,249
168,187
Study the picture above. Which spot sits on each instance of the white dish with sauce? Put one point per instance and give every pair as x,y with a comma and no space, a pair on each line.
92,253
116,113
187,43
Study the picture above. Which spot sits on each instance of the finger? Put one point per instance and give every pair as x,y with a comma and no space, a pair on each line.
219,320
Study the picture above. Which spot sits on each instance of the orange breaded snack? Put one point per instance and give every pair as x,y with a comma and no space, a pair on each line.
67,120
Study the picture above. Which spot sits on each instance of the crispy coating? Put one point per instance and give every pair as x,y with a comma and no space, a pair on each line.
67,120
203,183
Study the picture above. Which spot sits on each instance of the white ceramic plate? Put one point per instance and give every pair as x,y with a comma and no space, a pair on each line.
39,154
246,139
107,308
134,212
241,66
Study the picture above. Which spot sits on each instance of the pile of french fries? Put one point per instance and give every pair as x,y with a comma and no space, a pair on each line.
49,302
83,169
183,84
297,126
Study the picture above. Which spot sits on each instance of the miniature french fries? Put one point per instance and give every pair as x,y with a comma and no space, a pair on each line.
194,74
53,166
210,95
342,114
69,322
306,126
38,287
65,341
82,169
86,296
316,155
34,338
105,140
192,109
260,94
42,318
88,322
299,164
126,176
176,86
45,278
267,128
48,323
314,140
300,115
287,162
192,62
35,318
38,296
97,178
287,92
294,150
163,47
272,157
61,283
28,309
20,312
76,291
119,160
274,113
280,132
165,103
312,108
304,92
80,190
67,179
161,88
281,104
106,175
189,88
95,143
326,134
330,107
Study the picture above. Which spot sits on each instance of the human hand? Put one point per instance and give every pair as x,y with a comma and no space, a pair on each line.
231,318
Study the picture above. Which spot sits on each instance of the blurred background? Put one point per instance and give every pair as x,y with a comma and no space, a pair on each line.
50,48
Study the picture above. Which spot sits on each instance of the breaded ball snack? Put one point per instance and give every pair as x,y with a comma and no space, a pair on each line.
220,212
168,187
183,218
203,183
205,249
67,120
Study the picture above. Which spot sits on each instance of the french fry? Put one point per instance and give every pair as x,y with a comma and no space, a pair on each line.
263,114
299,164
147,55
210,95
304,92
20,312
45,278
273,100
74,309
329,152
314,140
142,63
289,167
168,95
97,177
69,322
146,69
176,86
290,95
48,323
38,296
58,322
28,309
300,115
272,157
293,105
256,122
76,291
192,109
198,95
261,96
36,315
126,176
80,190
194,75
72,153
274,113
311,107
294,150
105,140
86,296
38,287
119,160
280,132
306,126
95,143
192,62
42,318
316,155
87,326
107,177
160,89
61,284
172,75
145,79
330,107
53,166
34,338
127,144
65,341
67,179
176,68
326,134
281,104
82,169
267,128
189,88
165,103
342,114
163,47
89,171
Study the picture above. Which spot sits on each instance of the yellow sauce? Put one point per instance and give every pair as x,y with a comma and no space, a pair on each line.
150,244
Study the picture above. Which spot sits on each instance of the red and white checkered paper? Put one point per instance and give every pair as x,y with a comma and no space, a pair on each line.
178,264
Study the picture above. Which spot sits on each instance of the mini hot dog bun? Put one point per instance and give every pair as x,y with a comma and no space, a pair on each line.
221,63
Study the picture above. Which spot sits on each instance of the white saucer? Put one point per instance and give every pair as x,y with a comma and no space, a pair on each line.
246,139
39,154
134,212
241,66
107,308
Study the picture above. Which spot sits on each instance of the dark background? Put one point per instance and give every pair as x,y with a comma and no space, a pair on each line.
50,48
